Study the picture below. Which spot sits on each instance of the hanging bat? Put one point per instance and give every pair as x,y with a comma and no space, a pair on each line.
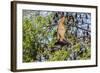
61,29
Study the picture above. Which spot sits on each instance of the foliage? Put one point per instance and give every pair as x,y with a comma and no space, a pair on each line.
39,37
59,55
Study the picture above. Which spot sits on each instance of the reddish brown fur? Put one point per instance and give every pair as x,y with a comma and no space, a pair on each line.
61,29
